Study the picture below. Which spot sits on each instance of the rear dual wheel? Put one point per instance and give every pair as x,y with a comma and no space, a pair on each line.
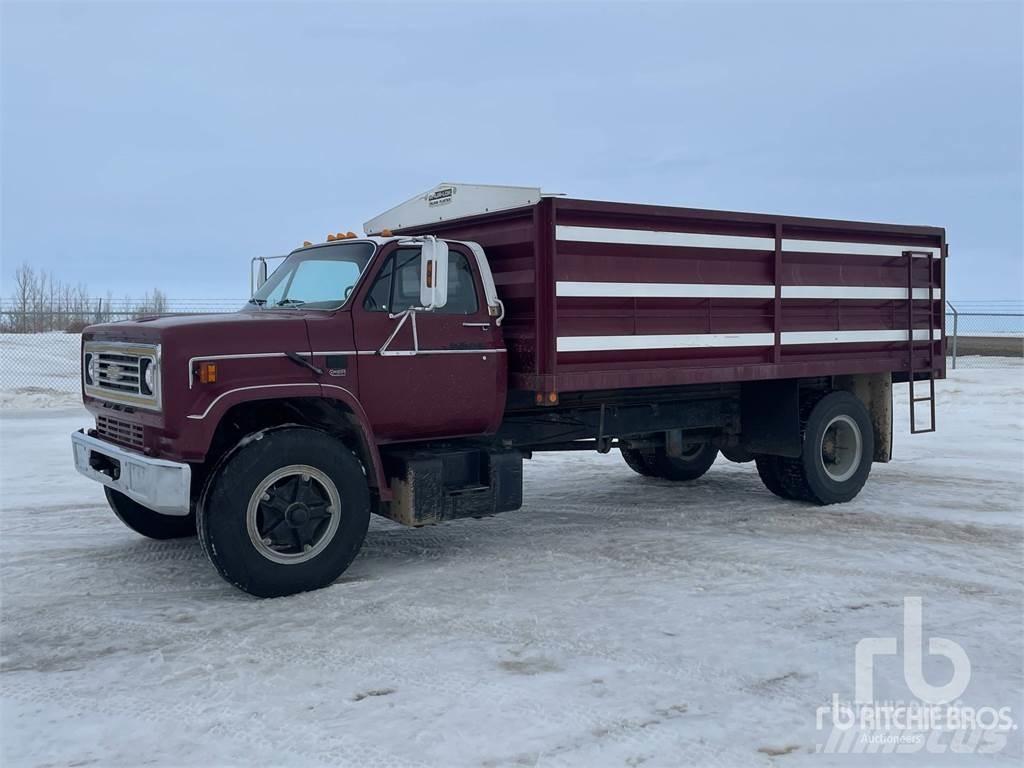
695,460
838,448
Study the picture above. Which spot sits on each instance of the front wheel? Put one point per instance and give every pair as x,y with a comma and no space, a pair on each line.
287,512
145,521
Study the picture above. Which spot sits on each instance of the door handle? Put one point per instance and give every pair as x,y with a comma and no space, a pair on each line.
483,326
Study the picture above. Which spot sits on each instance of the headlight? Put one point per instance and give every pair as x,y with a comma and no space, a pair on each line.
92,369
148,376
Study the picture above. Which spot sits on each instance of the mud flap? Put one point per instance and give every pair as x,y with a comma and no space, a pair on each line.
875,391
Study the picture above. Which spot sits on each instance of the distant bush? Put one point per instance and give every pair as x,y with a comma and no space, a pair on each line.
42,302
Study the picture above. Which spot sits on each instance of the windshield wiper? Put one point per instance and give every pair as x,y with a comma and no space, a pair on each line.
257,302
289,303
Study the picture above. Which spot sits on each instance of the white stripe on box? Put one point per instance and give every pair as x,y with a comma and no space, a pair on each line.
568,288
853,292
858,249
652,237
710,340
665,290
663,341
854,337
741,242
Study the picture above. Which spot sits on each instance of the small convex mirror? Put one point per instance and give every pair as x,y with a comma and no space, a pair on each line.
434,273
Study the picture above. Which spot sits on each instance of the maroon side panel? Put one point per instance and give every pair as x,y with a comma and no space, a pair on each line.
767,264
528,262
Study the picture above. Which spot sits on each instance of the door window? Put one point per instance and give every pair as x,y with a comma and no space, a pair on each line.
397,285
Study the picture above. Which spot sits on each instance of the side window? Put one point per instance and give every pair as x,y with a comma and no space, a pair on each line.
405,288
397,285
461,290
379,297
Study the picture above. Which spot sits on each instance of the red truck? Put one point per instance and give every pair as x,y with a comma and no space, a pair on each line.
409,372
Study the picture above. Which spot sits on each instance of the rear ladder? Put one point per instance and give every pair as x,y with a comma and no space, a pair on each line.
912,371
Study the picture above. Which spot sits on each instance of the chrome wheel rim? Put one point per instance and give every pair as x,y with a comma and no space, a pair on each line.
293,514
842,447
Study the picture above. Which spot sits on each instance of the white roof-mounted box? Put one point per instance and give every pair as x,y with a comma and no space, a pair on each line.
452,201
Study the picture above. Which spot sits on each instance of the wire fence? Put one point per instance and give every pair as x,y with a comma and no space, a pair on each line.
40,367
40,347
984,334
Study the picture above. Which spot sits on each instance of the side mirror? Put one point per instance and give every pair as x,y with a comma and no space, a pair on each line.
257,274
434,273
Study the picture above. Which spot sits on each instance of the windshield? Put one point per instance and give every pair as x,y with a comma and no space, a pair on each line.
317,278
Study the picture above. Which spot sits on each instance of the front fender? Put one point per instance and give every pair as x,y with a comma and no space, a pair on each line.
205,422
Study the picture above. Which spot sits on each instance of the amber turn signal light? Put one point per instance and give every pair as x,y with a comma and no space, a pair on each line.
207,373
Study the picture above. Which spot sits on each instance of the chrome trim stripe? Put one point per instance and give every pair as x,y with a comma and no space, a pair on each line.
256,355
222,395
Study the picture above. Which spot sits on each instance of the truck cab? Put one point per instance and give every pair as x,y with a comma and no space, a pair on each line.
384,374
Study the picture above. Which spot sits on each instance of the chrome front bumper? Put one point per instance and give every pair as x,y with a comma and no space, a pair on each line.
157,484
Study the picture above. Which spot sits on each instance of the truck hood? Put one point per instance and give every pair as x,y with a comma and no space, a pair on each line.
187,336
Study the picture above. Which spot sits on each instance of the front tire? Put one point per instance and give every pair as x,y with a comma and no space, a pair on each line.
285,513
145,521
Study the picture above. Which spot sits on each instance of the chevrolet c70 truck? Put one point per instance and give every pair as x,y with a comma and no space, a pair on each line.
409,372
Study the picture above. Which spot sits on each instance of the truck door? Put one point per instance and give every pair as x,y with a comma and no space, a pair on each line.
446,380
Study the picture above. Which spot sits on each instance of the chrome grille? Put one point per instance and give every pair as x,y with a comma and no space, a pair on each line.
117,431
117,372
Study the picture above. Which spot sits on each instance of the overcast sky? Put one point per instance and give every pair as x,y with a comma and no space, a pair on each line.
151,144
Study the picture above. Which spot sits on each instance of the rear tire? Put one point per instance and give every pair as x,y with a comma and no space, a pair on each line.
737,455
770,472
639,460
695,461
285,513
655,462
145,521
838,449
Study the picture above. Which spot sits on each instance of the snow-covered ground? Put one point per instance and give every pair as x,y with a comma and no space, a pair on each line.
614,620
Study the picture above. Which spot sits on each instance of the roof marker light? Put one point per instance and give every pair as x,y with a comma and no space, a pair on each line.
306,243
350,233
330,237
